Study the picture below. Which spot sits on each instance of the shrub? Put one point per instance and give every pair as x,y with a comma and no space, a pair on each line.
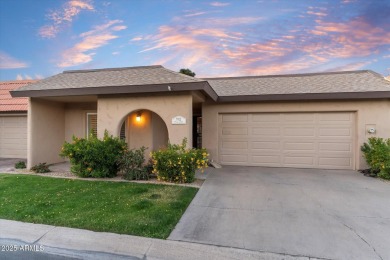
40,168
131,164
94,157
178,164
20,165
377,154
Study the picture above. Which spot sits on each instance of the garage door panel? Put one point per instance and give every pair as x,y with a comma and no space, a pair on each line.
265,145
299,118
299,146
235,118
266,118
336,118
335,147
13,136
235,145
307,161
335,132
234,131
266,159
235,158
307,140
266,131
335,162
300,131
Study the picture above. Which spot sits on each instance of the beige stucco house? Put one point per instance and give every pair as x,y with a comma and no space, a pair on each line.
317,120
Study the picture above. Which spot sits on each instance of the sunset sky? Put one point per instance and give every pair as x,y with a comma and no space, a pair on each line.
40,38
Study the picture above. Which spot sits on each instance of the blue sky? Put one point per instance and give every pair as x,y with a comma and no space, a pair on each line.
213,38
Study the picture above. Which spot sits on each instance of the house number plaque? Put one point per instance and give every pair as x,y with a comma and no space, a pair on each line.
179,120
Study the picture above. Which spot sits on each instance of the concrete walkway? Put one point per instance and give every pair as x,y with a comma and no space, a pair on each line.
330,214
52,242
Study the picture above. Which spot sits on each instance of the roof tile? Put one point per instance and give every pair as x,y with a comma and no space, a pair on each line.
331,82
8,103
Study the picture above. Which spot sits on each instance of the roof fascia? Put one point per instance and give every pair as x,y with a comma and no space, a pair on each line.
307,96
130,89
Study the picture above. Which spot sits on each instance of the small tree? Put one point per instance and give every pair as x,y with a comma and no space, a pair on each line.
187,72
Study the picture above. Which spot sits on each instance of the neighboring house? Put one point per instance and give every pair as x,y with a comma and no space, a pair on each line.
317,120
13,121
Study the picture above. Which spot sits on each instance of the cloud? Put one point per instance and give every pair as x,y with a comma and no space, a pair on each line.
351,66
64,16
232,46
9,62
115,53
355,38
194,14
138,38
231,21
27,77
219,4
91,40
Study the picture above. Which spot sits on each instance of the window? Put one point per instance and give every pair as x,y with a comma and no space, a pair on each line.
122,134
91,124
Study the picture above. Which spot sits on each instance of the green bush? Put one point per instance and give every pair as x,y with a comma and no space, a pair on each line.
40,168
377,154
94,157
178,164
131,164
20,165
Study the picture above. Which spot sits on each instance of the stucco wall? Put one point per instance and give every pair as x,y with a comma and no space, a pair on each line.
45,130
370,113
160,132
75,119
112,111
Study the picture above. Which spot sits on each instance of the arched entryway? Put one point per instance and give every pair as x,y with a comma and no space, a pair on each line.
144,128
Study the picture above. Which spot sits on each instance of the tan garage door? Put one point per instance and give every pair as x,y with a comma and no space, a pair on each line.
301,140
13,136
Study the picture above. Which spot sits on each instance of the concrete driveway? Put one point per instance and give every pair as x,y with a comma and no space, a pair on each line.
8,164
331,214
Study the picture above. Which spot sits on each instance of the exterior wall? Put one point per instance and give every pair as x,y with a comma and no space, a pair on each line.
140,133
160,132
370,113
45,131
112,111
76,118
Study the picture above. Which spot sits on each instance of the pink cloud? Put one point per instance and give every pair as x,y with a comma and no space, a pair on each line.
217,43
219,4
138,38
194,14
64,16
9,62
91,40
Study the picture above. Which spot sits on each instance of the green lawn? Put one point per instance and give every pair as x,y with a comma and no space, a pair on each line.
148,210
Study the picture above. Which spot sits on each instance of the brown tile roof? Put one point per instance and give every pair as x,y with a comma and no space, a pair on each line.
131,76
8,103
319,83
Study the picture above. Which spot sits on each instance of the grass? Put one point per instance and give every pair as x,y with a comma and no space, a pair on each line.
148,210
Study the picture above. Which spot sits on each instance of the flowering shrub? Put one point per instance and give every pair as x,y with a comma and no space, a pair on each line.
131,163
94,157
178,164
377,154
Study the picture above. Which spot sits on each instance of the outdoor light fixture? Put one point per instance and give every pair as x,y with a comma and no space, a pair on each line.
138,118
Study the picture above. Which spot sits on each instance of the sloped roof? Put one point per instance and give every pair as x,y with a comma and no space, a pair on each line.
7,102
363,84
131,76
331,82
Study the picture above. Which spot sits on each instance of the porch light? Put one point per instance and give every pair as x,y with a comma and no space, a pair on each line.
138,118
